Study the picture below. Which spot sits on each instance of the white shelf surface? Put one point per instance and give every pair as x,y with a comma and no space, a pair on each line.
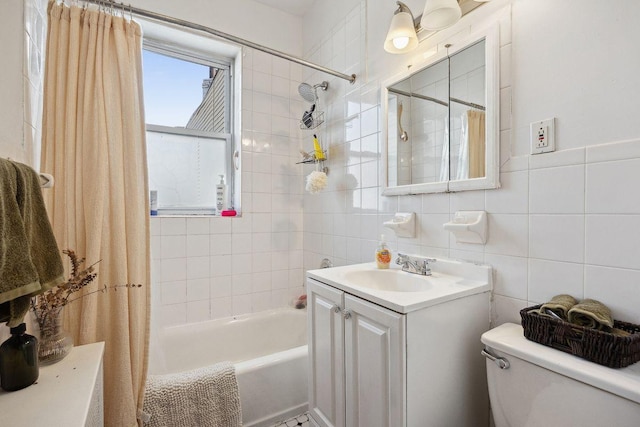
62,395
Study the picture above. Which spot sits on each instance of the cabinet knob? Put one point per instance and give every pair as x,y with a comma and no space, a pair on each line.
335,308
346,314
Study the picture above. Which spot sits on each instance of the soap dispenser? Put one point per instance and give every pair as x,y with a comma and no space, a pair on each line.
383,254
19,360
221,195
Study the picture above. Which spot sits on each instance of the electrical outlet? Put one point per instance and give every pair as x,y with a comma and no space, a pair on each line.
542,136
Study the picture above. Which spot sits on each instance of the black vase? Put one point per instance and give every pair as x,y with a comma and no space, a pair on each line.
18,360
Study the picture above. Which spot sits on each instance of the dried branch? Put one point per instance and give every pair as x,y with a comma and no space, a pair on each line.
48,304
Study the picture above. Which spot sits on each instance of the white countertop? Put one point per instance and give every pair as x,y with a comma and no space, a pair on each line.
451,280
61,396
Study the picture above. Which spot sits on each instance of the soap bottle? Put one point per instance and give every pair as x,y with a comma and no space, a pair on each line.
221,195
153,202
317,148
383,254
18,360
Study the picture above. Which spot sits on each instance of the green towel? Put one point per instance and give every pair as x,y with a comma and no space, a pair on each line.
31,262
560,305
591,314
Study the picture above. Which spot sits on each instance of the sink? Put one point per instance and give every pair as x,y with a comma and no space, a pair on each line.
392,280
404,292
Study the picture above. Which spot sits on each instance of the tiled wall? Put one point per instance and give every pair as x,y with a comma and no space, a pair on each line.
207,268
562,222
344,223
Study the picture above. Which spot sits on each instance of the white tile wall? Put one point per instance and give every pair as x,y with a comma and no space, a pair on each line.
217,267
564,222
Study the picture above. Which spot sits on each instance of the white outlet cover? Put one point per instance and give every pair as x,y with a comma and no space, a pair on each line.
542,135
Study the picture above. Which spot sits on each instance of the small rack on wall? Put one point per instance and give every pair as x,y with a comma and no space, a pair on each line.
310,158
312,121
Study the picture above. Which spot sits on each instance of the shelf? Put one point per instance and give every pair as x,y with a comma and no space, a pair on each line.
469,227
316,120
67,393
311,157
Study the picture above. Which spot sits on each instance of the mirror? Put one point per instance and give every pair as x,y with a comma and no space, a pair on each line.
442,131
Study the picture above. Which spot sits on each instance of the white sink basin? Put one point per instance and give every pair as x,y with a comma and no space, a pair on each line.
404,292
389,280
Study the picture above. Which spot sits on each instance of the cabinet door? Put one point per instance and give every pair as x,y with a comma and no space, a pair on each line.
326,354
375,365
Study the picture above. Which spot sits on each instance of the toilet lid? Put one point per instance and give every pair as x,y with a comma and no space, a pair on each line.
509,339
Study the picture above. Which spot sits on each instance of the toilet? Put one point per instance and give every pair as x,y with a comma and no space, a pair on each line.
532,385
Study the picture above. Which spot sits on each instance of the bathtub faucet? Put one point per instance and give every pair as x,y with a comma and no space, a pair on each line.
415,265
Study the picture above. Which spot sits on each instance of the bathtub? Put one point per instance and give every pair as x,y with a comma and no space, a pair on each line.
268,349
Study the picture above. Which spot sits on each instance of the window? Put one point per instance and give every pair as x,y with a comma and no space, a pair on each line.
188,110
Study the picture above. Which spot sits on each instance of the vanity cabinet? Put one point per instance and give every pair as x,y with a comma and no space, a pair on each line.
356,353
371,366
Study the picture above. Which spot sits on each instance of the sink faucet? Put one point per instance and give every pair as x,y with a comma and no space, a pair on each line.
415,265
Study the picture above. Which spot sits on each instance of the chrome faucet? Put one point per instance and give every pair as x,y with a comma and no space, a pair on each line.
415,265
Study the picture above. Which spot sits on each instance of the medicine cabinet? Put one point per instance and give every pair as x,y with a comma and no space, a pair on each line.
441,121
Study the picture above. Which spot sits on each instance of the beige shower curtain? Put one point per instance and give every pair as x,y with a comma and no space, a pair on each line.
477,144
94,145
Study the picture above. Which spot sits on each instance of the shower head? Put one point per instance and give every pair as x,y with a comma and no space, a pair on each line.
308,92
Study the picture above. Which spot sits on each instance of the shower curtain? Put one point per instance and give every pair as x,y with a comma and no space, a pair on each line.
94,145
476,143
471,152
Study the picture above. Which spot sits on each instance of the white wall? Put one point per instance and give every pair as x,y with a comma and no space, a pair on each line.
562,222
202,268
246,19
566,222
207,268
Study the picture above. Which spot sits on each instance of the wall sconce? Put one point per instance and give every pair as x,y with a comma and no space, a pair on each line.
402,36
437,15
440,14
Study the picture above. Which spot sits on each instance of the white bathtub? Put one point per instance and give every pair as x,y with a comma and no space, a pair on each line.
269,350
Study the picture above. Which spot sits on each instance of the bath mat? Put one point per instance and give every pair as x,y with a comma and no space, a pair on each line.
204,397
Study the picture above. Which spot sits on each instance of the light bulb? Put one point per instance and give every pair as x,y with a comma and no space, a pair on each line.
400,42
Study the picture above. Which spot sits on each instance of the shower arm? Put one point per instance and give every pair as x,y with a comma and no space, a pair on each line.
175,21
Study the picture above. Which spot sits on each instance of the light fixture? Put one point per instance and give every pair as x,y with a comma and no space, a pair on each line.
439,14
402,35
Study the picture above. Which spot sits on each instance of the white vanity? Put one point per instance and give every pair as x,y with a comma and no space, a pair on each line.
390,348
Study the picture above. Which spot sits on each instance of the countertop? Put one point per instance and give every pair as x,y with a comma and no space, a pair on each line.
62,394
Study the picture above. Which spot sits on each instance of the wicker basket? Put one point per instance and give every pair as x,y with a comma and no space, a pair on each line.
600,347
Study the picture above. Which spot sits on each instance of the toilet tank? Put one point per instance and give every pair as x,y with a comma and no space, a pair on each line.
546,387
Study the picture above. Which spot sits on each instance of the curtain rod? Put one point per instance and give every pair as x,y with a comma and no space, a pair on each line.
416,95
428,98
159,17
468,104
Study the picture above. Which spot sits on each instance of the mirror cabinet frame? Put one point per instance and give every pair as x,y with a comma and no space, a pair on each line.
492,119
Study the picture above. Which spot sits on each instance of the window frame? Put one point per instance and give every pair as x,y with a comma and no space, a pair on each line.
232,135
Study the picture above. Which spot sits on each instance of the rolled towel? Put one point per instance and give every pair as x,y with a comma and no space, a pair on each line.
591,314
559,305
